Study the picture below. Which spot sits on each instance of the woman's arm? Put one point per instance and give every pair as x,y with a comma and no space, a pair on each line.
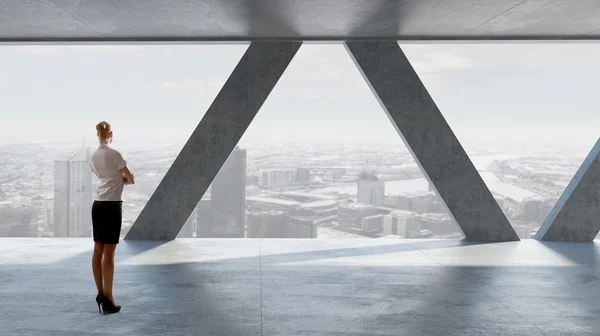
128,177
92,168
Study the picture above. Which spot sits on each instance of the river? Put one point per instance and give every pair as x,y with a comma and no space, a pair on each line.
420,185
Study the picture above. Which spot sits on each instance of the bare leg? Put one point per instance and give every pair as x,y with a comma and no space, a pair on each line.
108,270
97,266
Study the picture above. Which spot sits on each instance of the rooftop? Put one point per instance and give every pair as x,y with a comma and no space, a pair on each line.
320,204
357,206
304,287
307,195
403,213
272,200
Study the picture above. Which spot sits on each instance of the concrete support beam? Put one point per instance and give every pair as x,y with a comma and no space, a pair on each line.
576,215
213,140
432,143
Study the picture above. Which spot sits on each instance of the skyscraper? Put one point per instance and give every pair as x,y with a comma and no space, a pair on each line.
48,213
268,224
73,195
303,175
274,178
204,218
228,200
371,189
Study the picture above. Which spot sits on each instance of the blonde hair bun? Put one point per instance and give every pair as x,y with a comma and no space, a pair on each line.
103,130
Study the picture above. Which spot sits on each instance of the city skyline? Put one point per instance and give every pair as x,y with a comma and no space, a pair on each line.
321,101
136,87
290,186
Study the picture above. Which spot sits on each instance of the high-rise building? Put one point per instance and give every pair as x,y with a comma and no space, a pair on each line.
400,202
532,209
350,216
371,189
372,224
402,223
73,195
425,203
228,200
22,201
306,226
278,177
204,220
48,213
438,223
303,175
268,224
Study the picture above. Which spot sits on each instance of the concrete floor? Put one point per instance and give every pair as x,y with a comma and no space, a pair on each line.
304,287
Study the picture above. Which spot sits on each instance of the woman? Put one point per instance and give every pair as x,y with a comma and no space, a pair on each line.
110,167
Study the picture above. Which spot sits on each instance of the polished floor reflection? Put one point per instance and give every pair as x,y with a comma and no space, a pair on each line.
304,287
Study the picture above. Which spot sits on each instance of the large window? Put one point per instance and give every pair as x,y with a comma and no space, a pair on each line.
320,160
52,99
323,161
525,113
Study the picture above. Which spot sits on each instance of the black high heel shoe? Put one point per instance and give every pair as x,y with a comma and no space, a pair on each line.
108,307
99,299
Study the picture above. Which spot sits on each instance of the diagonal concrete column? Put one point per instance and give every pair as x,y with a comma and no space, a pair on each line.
576,215
213,140
431,141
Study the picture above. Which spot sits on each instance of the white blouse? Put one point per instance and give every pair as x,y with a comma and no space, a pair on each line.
107,163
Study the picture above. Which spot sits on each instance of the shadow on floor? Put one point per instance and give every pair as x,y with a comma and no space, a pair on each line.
579,253
238,296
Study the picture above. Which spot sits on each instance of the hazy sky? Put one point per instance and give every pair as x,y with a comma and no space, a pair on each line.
523,93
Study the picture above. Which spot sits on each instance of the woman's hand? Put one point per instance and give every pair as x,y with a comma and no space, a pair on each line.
128,177
125,181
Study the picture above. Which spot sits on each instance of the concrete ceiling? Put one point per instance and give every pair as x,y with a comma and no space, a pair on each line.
228,20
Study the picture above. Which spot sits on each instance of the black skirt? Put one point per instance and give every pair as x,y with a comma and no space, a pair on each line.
106,221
